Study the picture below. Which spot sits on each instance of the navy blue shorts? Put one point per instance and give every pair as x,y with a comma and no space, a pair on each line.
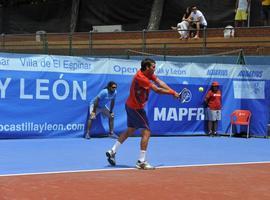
136,118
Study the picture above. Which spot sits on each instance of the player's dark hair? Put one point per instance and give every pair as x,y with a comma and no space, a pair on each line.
147,62
110,84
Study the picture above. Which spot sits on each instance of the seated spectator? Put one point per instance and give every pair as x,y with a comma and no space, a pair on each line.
198,20
265,12
183,26
241,12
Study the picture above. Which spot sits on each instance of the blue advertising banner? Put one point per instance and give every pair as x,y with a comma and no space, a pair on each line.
48,96
186,117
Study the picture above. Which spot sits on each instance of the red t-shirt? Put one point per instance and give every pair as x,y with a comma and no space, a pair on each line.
214,100
139,90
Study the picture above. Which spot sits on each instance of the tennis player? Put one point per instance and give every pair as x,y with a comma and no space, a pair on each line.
99,105
136,116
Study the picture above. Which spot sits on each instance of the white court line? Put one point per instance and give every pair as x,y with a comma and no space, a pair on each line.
123,169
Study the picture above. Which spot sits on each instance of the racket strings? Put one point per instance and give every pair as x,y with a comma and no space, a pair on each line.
185,95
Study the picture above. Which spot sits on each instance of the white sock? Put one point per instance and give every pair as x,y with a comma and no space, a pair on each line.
142,156
116,146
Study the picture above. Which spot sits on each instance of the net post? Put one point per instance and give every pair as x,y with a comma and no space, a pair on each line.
128,56
70,44
3,36
241,58
143,40
90,38
44,42
248,15
164,51
204,40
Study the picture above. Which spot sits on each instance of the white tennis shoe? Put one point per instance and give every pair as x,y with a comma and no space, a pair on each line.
144,165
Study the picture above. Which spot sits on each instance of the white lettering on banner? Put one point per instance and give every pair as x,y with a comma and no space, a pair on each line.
65,87
3,87
22,89
40,88
40,128
78,89
60,89
178,114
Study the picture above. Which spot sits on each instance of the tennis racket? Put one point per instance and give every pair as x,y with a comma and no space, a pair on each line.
185,95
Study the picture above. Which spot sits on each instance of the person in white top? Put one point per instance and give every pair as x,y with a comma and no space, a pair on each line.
183,26
241,15
198,19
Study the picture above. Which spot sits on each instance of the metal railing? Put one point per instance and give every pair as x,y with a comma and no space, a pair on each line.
164,43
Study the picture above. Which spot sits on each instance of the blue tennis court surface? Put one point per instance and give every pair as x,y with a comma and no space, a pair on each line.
75,154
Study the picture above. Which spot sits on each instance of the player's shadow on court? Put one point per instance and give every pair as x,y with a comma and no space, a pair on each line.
128,166
120,166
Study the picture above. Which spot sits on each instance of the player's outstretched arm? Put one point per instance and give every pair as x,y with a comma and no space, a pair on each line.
161,90
162,84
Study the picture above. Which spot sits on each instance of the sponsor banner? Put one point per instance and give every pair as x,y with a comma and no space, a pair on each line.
87,65
48,96
249,89
186,117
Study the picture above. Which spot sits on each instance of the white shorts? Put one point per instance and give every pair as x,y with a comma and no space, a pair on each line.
104,111
213,115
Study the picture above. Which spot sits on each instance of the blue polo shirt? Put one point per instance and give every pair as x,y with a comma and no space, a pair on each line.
104,97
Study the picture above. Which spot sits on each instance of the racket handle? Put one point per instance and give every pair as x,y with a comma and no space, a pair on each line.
172,92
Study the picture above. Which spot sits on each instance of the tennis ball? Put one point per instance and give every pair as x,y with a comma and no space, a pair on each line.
201,89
